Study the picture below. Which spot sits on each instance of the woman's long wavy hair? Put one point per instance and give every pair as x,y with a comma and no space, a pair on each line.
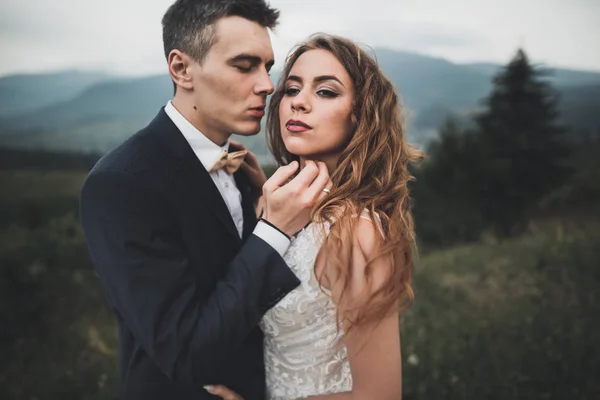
372,173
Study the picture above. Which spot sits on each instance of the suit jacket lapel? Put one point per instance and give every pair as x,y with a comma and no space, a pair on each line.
245,189
191,171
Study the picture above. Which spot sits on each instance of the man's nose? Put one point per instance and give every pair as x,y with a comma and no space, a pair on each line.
264,86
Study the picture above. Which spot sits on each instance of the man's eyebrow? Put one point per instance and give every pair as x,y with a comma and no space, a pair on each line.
246,57
253,59
321,78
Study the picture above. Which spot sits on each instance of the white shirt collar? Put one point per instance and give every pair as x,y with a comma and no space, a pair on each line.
206,150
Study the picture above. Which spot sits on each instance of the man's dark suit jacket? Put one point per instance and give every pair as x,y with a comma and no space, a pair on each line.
187,292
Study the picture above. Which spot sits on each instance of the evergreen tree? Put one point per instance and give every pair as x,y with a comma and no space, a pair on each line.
492,177
447,201
523,145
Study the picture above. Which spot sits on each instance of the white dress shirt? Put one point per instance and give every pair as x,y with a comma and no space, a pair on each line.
208,152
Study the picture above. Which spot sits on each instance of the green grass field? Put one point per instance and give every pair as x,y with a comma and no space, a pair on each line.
20,185
31,198
513,320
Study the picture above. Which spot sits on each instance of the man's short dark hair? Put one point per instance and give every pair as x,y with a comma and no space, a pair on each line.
189,25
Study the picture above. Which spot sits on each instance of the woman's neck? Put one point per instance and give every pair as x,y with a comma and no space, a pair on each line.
330,162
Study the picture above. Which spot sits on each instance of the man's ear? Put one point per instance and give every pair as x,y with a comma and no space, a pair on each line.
180,69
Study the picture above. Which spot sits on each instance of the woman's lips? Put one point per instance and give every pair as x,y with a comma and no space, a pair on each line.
297,126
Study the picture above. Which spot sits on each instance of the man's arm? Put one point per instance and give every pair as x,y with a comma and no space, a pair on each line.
134,244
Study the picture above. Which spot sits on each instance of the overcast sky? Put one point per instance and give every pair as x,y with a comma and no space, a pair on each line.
124,36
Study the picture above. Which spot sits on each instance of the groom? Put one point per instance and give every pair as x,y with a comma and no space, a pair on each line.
170,223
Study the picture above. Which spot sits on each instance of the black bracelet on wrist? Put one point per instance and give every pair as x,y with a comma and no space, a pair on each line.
273,226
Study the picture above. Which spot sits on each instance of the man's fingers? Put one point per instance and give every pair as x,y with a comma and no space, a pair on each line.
234,145
223,392
280,176
248,169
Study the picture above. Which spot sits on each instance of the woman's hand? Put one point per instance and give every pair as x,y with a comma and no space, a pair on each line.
223,392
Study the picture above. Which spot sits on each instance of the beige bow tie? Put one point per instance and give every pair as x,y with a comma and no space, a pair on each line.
231,162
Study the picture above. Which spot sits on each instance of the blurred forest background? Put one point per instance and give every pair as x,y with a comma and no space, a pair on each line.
507,209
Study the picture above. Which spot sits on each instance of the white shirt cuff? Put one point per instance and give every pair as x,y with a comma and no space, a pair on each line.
273,237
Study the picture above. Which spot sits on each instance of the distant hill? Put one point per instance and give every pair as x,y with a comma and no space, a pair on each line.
558,76
424,81
27,92
92,112
580,107
123,99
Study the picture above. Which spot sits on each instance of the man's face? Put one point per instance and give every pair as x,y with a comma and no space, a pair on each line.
231,85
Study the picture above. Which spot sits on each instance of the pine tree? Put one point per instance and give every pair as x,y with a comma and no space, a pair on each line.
523,145
447,203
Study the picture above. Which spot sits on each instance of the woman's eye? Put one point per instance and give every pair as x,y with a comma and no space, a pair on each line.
327,93
291,91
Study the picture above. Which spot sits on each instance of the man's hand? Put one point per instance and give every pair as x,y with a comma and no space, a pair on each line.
250,166
288,205
223,392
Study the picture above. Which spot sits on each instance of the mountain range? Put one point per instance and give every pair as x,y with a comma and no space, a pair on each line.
93,112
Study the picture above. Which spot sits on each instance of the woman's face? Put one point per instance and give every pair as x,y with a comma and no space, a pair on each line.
316,107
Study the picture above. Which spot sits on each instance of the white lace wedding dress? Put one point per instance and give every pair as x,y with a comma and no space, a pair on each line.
301,355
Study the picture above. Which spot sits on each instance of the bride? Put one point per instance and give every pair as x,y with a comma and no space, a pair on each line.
336,336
